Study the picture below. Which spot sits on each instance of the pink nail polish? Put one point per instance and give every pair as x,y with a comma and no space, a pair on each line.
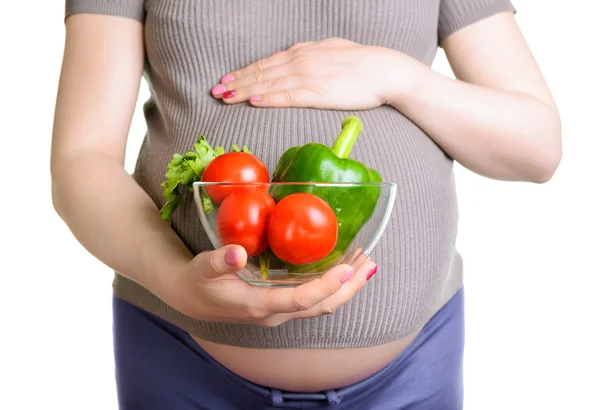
229,94
218,90
373,272
227,78
347,275
231,257
255,98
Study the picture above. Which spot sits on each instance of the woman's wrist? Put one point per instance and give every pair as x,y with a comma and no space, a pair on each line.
403,76
164,260
166,282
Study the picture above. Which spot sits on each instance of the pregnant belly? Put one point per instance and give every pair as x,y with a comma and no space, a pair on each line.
305,370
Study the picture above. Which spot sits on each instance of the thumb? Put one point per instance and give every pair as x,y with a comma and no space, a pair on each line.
227,259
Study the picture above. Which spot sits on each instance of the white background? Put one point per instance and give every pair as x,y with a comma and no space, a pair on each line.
531,251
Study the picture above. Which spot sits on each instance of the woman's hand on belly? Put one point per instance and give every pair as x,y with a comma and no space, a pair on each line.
208,288
333,74
497,117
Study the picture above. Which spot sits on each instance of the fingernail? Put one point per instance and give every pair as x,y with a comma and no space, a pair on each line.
218,89
231,257
227,78
373,272
229,94
347,275
255,98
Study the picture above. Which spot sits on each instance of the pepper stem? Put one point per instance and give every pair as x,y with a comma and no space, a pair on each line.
351,128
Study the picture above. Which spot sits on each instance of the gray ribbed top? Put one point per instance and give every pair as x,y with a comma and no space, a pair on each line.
190,44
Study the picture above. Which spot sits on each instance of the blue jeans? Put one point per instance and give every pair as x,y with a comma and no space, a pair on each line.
160,367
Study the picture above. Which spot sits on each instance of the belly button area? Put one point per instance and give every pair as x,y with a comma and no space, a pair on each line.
305,370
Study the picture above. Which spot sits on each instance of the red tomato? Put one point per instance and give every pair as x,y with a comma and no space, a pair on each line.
242,219
232,167
302,229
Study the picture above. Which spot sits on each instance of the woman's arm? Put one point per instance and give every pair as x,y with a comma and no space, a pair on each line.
498,117
115,220
110,215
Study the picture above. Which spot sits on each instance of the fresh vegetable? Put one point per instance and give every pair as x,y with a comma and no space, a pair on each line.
315,162
233,167
184,170
242,219
302,229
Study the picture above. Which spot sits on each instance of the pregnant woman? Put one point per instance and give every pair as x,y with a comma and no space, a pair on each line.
270,74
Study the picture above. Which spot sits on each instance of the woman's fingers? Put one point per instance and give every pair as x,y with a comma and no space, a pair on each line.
295,97
260,66
355,258
304,297
214,264
267,87
280,57
332,303
269,68
257,77
346,292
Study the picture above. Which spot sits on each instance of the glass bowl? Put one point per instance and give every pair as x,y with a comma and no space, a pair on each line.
361,212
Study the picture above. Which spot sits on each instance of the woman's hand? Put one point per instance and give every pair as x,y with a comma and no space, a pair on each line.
209,288
329,74
496,118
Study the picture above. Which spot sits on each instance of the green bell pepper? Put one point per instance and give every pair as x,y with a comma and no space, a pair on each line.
315,162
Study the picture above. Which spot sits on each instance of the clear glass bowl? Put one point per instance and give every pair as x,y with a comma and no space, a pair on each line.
362,212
